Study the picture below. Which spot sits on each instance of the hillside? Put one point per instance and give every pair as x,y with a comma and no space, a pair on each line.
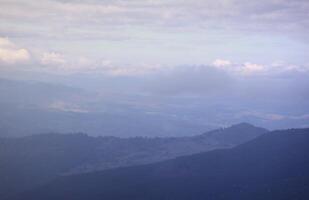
273,166
35,160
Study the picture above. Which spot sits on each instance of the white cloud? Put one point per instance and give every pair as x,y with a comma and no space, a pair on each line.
11,54
286,67
246,68
249,68
52,58
189,80
5,43
220,63
14,56
63,63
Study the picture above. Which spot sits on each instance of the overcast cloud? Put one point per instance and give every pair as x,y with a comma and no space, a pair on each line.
251,55
160,32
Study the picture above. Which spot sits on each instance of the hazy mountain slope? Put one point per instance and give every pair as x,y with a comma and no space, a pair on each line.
28,161
64,109
273,166
133,151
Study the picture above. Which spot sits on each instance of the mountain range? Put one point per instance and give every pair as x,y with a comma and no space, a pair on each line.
35,160
272,166
60,108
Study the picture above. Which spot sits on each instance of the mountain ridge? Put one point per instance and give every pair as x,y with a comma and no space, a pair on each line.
40,158
272,166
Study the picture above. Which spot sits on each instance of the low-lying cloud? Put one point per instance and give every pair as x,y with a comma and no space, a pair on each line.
11,54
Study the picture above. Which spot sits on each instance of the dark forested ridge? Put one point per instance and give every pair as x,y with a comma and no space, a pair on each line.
272,166
33,160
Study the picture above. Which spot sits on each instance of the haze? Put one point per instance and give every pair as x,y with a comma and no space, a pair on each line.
167,68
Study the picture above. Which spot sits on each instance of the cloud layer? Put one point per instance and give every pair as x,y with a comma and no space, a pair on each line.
272,15
161,32
248,57
11,54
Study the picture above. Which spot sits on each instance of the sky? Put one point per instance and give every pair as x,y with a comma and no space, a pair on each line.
251,55
86,35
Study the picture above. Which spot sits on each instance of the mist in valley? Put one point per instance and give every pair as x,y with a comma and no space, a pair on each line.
154,100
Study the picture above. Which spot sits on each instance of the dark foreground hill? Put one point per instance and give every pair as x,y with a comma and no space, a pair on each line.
273,166
31,161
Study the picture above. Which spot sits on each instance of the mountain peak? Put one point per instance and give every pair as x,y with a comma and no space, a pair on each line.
243,125
235,134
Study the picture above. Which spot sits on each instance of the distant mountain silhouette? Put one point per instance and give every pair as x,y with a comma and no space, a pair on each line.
60,108
273,166
35,160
